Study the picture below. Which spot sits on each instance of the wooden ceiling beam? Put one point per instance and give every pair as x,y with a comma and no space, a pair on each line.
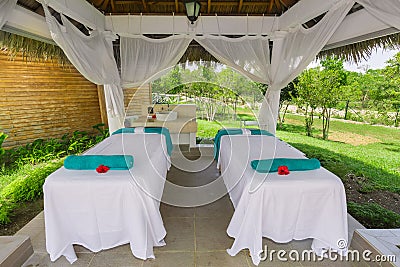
112,6
169,3
104,4
283,4
240,6
144,5
278,5
208,6
271,4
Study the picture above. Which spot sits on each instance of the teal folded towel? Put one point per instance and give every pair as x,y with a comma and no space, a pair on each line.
222,132
271,165
91,162
159,130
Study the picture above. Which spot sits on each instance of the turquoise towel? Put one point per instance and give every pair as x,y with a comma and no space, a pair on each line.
222,132
271,165
91,162
159,130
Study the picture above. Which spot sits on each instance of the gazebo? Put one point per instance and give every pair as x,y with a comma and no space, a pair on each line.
267,41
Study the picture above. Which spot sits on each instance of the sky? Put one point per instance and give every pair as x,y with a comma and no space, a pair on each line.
376,61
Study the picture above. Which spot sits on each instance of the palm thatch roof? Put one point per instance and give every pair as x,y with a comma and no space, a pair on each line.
34,50
356,52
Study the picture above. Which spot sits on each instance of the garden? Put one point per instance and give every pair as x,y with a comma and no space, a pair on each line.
24,169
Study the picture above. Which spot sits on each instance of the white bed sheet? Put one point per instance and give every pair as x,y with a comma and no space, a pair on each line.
303,204
101,211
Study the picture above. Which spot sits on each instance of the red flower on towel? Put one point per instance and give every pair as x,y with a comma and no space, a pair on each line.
283,170
102,169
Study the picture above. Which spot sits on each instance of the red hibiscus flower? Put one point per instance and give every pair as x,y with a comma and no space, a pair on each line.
283,170
102,169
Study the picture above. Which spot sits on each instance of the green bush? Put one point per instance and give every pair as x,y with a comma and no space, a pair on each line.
42,150
24,169
3,137
25,188
30,187
372,215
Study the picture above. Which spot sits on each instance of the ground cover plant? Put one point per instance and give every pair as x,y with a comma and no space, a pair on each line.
24,169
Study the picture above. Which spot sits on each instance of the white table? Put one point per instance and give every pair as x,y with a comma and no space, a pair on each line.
101,211
301,205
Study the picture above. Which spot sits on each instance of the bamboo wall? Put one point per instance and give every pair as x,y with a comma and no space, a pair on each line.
137,100
41,100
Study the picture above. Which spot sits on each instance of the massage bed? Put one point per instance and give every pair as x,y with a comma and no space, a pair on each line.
104,210
301,205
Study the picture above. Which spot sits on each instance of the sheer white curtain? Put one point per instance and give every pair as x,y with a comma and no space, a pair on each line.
6,8
144,59
291,53
250,55
93,57
387,11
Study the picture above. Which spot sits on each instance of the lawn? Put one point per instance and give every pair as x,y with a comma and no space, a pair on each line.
364,150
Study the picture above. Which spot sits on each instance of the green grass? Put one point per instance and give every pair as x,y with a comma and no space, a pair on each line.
372,215
208,129
24,184
378,162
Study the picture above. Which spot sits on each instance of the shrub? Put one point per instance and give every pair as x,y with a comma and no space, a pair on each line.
30,187
3,137
372,215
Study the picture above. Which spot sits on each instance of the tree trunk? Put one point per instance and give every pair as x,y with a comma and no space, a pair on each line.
346,109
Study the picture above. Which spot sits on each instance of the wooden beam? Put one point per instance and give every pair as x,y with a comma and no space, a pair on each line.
112,6
271,4
284,4
102,104
208,6
169,3
144,5
176,6
278,6
240,6
105,4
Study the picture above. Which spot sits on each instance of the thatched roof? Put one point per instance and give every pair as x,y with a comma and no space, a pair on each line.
208,7
34,49
362,50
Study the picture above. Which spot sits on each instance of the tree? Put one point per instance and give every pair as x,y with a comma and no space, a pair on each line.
333,78
308,95
392,71
288,93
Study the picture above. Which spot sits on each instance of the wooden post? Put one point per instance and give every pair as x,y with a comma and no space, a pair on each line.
102,104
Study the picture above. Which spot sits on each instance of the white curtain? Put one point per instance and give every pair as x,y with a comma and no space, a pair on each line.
249,54
291,53
6,8
144,59
387,11
93,57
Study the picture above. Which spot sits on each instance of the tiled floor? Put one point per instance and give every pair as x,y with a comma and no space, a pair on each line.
195,237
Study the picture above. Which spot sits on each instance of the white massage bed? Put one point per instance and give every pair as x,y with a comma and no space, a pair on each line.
104,210
301,205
